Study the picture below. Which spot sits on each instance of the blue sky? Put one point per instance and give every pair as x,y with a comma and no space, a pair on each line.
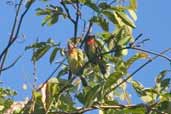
153,21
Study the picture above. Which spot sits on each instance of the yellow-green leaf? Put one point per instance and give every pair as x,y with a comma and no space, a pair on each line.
133,4
133,14
125,19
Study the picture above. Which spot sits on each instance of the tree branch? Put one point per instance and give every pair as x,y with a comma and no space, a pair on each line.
139,49
8,67
13,39
76,21
151,52
114,107
87,33
67,11
137,70
4,55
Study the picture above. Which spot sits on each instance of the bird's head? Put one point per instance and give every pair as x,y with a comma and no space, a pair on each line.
90,40
70,45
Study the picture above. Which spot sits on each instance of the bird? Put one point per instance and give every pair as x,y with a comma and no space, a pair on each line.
93,49
76,58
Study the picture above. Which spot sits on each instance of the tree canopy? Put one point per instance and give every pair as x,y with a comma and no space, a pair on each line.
94,72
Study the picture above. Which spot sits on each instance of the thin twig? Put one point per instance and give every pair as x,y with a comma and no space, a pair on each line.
8,67
112,2
67,11
76,21
139,49
87,33
13,39
136,39
34,70
152,52
4,55
115,107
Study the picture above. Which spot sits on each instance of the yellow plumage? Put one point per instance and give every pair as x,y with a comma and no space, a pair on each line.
75,59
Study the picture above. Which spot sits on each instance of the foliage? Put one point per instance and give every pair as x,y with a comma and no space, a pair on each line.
88,88
6,99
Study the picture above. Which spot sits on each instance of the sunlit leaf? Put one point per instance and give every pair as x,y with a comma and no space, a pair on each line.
126,19
124,41
46,20
91,5
101,22
146,98
133,14
138,87
133,4
134,58
111,17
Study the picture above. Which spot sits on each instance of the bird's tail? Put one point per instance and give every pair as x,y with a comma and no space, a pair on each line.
102,67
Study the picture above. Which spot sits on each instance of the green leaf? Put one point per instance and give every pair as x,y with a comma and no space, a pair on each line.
53,55
91,5
111,17
112,79
124,41
91,95
81,97
101,21
104,24
40,11
40,52
46,20
138,87
133,14
36,45
51,91
106,35
82,1
134,58
147,98
104,5
133,4
165,106
53,20
165,83
161,76
38,106
29,3
62,52
67,99
126,19
124,52
136,110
